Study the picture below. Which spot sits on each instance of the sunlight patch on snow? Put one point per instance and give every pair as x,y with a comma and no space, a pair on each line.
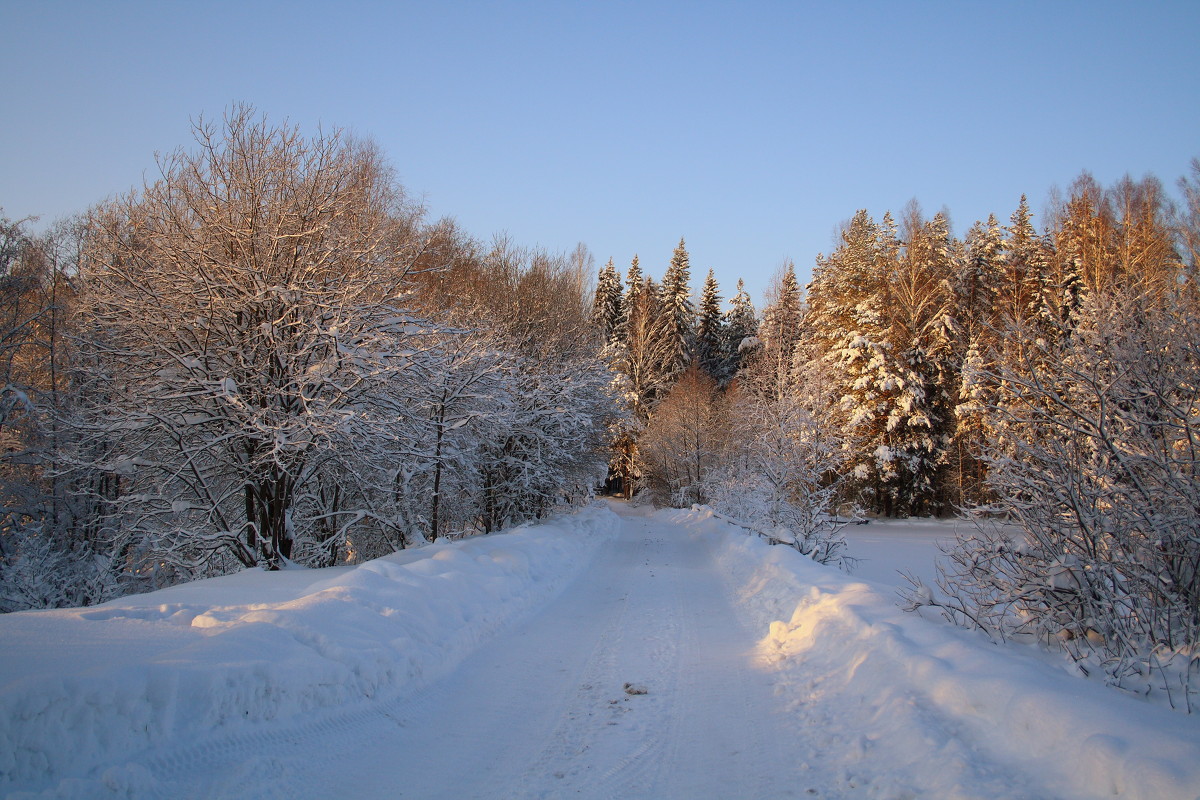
847,657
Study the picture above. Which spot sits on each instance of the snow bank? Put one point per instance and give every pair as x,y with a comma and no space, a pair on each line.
81,688
924,695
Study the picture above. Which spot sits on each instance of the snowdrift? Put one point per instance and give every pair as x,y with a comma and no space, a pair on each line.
83,689
929,688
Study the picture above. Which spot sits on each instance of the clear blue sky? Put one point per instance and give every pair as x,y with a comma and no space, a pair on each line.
753,129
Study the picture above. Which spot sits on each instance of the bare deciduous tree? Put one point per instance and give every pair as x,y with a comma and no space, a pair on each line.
683,440
239,309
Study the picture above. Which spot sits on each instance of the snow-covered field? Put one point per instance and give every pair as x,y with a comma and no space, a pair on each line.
883,549
627,654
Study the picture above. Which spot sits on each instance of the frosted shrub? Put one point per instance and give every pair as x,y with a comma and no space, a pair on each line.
781,471
41,573
1094,546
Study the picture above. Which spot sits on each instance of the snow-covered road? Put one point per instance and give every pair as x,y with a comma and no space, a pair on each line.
542,710
655,655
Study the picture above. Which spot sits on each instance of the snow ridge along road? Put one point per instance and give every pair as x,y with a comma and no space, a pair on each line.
661,655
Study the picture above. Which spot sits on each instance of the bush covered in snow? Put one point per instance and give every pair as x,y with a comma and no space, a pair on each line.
1092,544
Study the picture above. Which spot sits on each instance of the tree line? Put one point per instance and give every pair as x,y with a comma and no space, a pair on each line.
268,355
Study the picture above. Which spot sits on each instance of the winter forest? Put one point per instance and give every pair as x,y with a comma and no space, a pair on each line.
269,355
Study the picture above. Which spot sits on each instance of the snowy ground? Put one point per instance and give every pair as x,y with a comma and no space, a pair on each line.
883,549
641,655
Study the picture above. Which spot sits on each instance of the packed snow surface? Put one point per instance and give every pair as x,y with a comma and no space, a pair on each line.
601,655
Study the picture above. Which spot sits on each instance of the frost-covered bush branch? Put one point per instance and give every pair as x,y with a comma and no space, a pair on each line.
1095,464
783,466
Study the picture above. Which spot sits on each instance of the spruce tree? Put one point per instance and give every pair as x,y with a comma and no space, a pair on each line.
975,289
780,329
633,278
647,353
710,331
848,324
740,330
606,308
920,419
1027,293
678,311
977,283
633,288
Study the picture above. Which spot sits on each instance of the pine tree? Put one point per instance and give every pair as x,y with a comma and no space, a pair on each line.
678,311
710,331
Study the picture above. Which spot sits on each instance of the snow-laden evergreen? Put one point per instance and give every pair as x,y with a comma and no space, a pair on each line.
780,329
608,308
678,311
741,330
711,355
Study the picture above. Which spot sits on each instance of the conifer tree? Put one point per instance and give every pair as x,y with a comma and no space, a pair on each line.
633,278
920,420
977,283
710,331
678,310
781,317
975,289
780,330
1026,269
643,359
633,285
1027,317
647,352
606,308
740,330
848,325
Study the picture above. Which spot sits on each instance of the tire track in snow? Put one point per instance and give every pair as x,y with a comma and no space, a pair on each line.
608,743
